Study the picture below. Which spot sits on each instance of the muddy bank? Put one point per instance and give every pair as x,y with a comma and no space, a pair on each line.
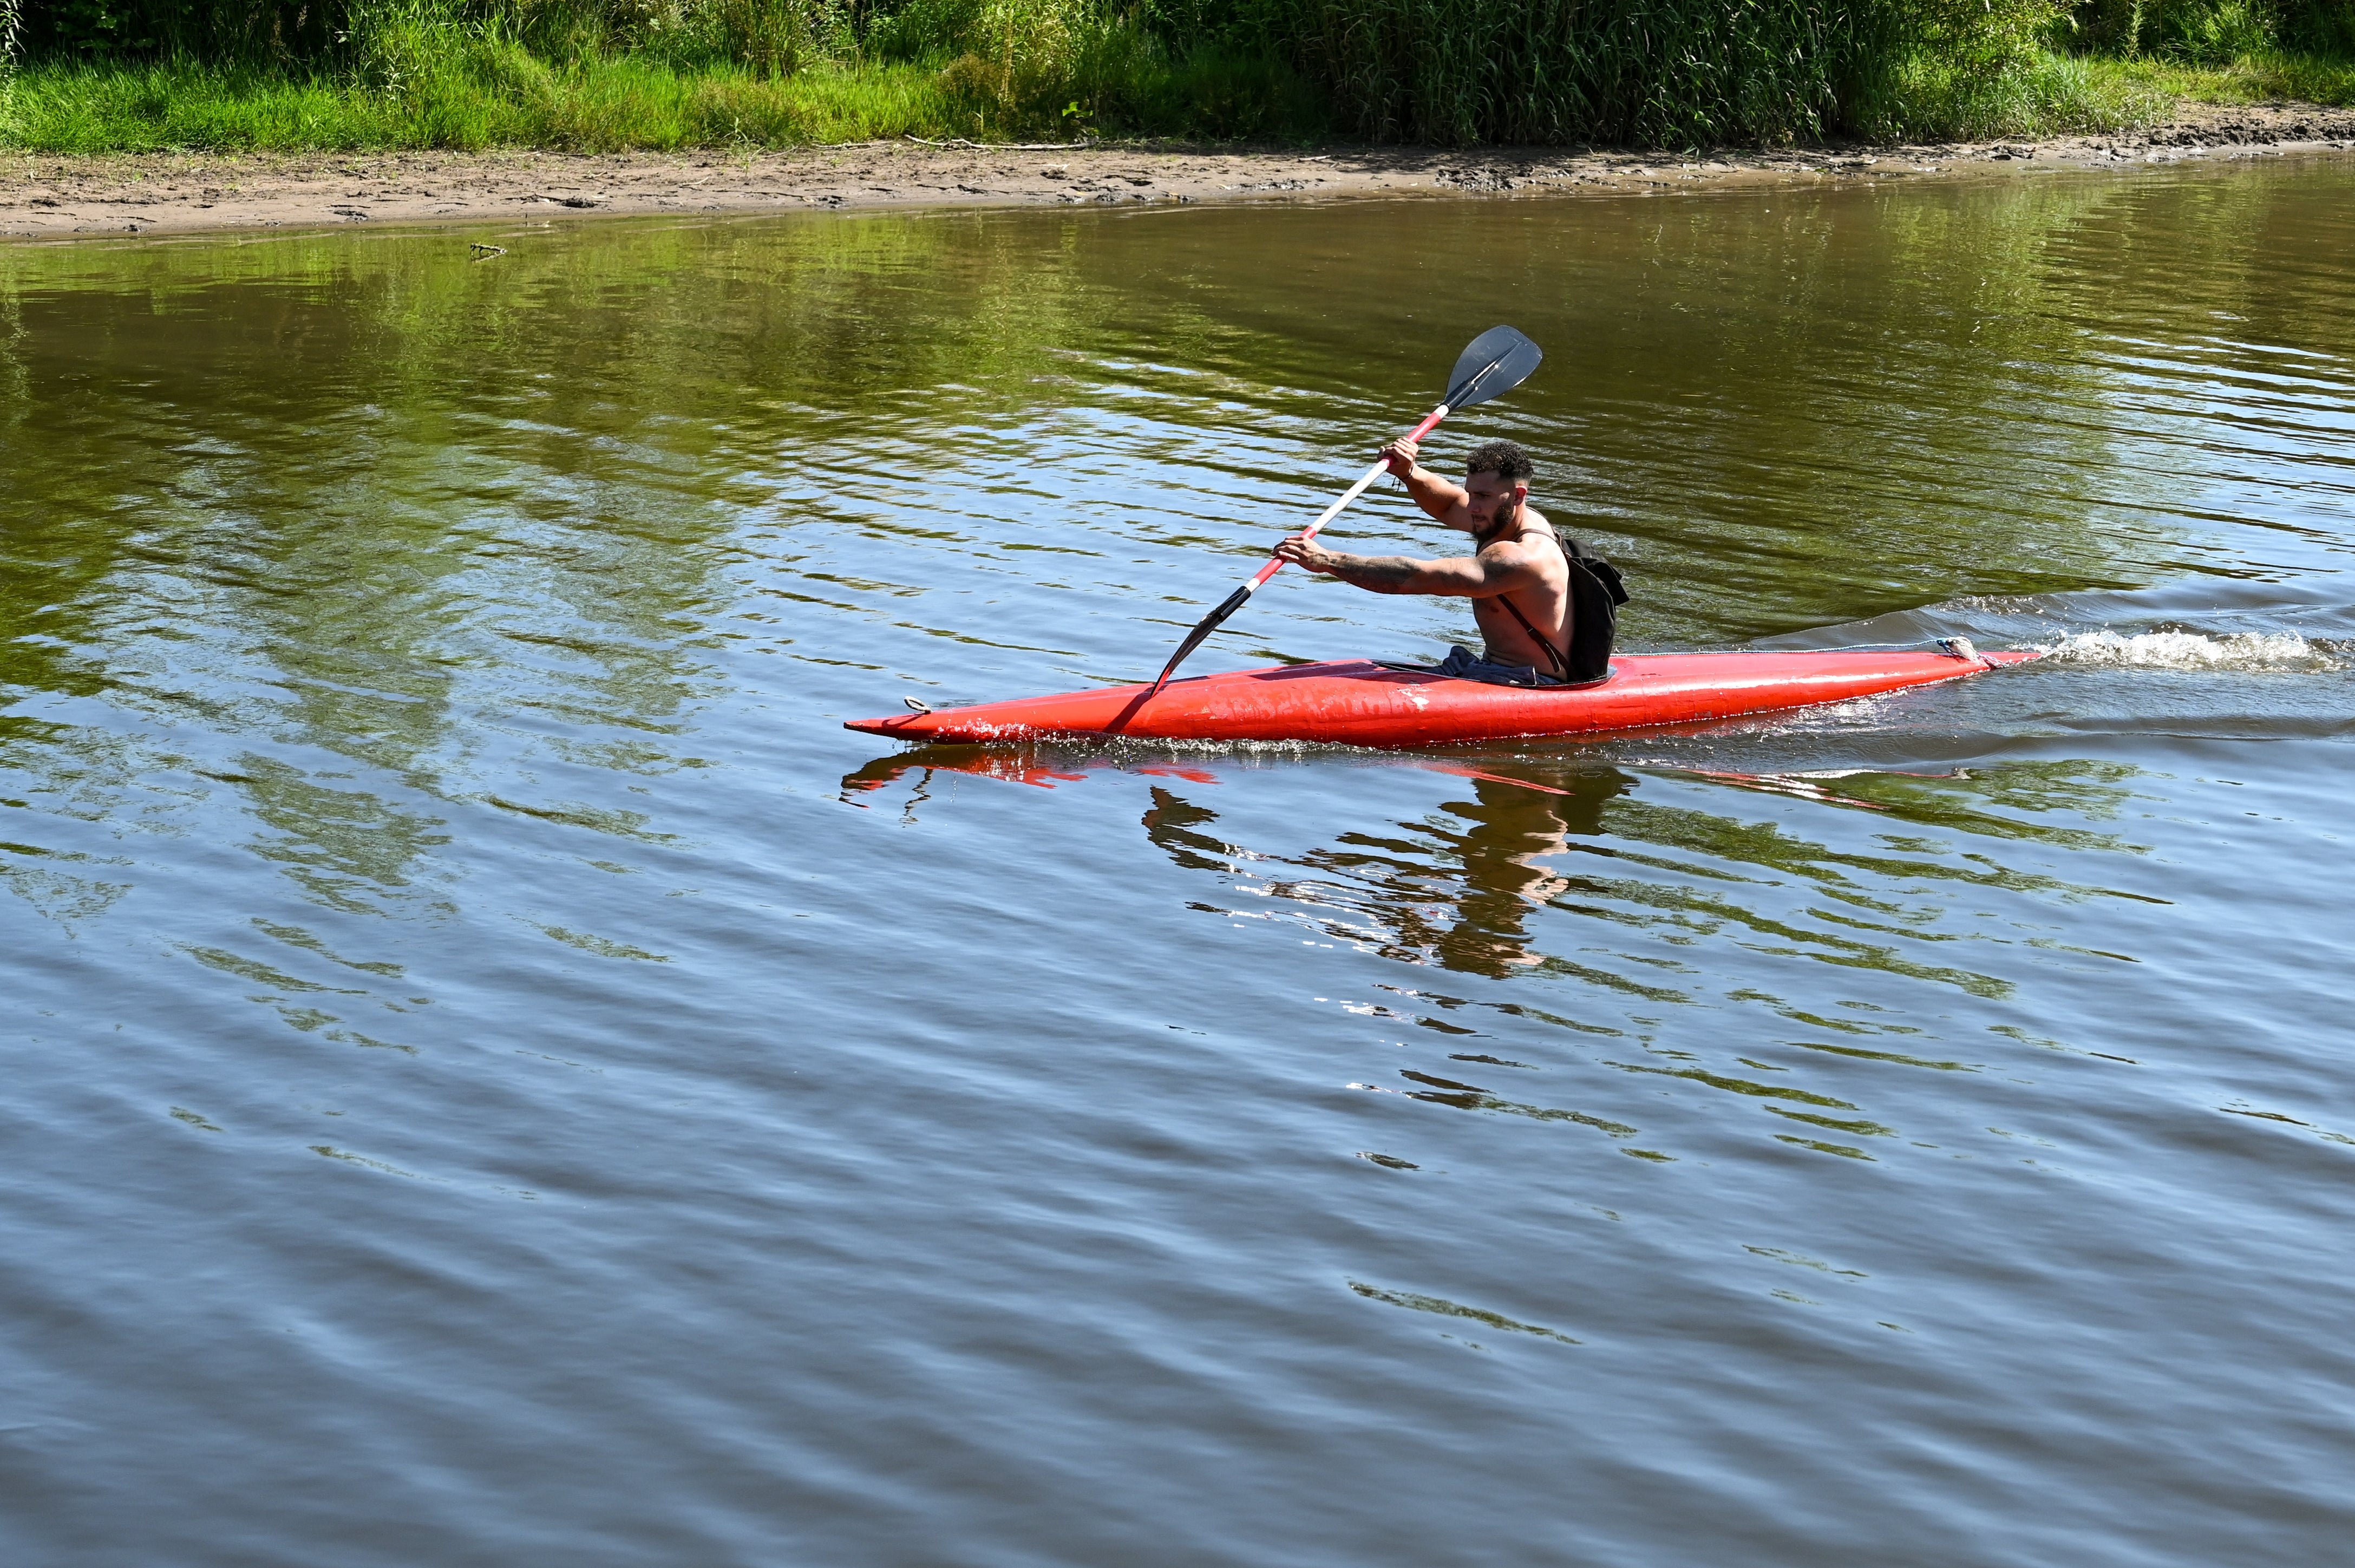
50,197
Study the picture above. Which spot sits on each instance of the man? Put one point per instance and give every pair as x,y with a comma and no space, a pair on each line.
1543,606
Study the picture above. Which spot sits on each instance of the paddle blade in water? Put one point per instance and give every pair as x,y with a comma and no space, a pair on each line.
1499,360
1209,622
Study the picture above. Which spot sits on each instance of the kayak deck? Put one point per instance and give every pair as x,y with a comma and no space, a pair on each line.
1358,703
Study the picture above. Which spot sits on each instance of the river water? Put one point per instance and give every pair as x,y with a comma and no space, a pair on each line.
498,1076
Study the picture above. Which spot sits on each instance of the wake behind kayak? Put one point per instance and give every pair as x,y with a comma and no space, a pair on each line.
1358,703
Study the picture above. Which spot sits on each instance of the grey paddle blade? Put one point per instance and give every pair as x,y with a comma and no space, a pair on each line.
1499,360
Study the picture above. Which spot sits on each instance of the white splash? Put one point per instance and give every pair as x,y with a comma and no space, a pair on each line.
2256,651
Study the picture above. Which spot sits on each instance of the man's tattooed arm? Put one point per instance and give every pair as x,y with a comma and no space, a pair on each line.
1378,573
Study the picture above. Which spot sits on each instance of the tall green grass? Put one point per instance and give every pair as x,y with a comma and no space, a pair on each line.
597,75
11,31
2270,75
605,75
2213,32
487,98
2224,52
1670,72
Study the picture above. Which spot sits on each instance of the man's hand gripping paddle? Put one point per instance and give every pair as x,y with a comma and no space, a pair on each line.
1498,360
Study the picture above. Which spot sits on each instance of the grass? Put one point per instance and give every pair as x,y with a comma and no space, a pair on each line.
477,90
601,104
2262,76
611,75
501,96
2045,93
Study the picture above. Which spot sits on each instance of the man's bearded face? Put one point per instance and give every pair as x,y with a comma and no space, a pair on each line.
1494,501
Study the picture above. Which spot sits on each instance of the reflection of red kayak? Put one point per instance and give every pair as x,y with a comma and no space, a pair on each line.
1360,704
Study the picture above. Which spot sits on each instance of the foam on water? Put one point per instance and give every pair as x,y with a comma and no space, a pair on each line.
2251,651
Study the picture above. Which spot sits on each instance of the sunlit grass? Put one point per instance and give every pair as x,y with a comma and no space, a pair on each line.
488,100
2263,77
491,93
2045,93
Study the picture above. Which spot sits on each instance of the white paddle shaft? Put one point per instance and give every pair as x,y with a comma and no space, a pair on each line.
1382,466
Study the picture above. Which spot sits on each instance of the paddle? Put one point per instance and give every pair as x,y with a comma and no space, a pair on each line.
1496,361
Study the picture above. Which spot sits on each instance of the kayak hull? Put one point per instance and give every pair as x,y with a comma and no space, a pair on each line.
1358,703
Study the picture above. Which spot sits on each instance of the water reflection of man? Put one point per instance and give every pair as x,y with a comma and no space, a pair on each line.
1484,902
1512,831
1487,882
1519,578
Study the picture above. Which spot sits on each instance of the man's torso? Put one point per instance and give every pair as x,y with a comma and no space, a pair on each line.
1546,602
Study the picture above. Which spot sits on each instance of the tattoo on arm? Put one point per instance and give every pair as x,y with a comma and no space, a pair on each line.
1380,573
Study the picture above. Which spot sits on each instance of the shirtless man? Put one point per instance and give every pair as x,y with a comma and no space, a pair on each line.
1519,556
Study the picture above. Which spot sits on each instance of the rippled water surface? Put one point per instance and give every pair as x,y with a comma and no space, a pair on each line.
497,1075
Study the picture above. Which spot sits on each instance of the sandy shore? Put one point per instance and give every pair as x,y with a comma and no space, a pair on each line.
53,197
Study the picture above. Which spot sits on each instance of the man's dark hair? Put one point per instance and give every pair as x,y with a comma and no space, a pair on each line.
1501,458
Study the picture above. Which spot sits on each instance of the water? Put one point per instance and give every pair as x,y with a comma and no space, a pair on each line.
498,1076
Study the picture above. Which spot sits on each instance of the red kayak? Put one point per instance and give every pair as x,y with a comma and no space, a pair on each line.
1355,703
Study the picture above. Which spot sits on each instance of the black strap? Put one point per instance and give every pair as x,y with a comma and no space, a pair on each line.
1559,660
1596,592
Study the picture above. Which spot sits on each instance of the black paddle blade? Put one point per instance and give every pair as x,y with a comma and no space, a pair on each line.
1211,622
1499,360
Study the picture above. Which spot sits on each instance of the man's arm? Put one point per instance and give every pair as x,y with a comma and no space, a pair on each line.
1442,498
1499,569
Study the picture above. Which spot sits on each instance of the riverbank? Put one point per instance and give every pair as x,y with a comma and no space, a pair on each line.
47,197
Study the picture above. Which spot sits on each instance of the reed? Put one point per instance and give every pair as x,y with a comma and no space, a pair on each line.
12,19
2214,32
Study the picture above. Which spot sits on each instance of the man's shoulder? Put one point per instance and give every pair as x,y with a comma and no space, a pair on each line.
1535,541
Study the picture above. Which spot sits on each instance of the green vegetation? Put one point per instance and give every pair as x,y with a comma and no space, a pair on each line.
2144,85
596,75
2140,53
